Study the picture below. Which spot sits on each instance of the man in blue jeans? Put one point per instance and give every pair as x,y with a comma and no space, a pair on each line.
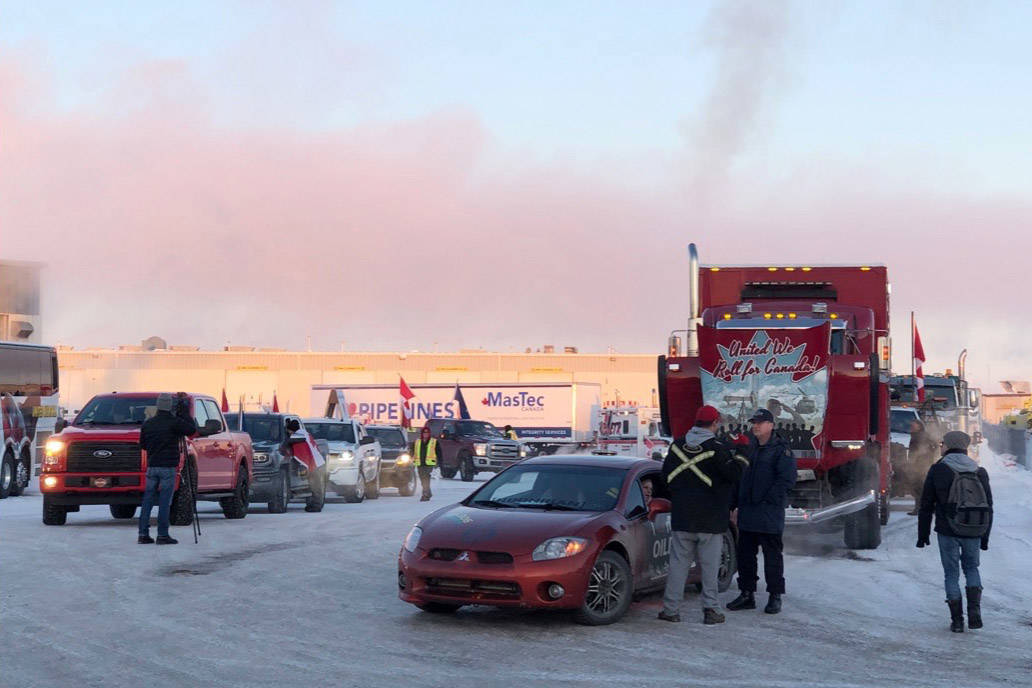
963,519
159,437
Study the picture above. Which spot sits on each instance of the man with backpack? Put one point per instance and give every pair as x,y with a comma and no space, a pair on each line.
957,491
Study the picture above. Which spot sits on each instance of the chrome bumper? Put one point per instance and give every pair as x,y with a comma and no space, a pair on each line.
795,517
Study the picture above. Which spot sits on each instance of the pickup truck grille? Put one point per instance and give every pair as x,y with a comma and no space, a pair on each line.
124,458
504,451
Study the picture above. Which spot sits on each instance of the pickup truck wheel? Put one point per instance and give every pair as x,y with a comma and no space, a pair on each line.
408,488
282,501
53,514
356,494
236,506
22,473
124,511
610,588
448,472
373,488
317,484
883,507
6,474
181,513
466,469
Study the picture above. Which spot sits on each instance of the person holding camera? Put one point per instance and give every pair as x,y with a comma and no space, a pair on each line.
160,438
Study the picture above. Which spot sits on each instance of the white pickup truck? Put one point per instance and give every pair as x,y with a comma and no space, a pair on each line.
353,459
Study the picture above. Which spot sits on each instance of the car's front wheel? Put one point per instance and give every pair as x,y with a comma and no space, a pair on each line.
317,483
236,506
281,502
373,487
356,494
610,588
466,469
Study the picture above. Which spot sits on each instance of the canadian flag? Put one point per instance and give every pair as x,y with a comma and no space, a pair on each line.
919,359
405,394
225,401
275,403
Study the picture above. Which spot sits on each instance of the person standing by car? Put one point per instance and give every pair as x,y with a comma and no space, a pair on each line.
957,491
509,433
424,455
159,438
701,474
761,499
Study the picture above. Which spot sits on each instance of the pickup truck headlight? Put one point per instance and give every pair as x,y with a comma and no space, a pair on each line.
524,451
345,458
261,458
53,453
403,460
480,449
559,548
412,539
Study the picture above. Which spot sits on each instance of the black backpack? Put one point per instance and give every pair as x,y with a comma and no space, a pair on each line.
967,507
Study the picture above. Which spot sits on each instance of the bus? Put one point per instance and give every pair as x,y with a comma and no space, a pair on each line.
29,406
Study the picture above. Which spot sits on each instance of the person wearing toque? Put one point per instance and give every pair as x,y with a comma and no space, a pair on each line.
760,501
956,491
159,438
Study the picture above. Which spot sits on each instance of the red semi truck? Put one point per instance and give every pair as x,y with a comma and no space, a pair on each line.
811,344
97,460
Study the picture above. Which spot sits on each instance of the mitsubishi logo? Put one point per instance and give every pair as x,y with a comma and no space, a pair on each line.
102,453
464,556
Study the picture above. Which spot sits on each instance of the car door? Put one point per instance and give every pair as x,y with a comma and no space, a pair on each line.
208,477
367,450
656,535
223,454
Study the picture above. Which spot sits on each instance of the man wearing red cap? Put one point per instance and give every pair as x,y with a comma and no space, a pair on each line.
701,473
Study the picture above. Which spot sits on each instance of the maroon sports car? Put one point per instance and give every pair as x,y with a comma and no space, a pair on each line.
558,532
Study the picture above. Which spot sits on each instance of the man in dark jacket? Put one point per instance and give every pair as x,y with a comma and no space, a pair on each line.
701,473
956,550
920,456
159,437
762,496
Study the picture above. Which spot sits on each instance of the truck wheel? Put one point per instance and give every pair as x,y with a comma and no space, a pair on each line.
466,469
373,488
356,494
610,588
863,529
6,474
53,514
22,474
448,472
282,501
236,506
124,511
317,483
883,509
181,513
408,488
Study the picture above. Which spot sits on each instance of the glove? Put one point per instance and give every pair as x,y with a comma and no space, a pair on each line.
922,543
985,546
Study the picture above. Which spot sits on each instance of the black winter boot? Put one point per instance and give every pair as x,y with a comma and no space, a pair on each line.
773,604
956,615
711,617
745,600
974,600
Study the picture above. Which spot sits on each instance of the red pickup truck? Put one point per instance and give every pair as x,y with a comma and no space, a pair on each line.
97,460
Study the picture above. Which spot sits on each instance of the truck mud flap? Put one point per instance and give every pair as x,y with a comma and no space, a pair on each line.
795,517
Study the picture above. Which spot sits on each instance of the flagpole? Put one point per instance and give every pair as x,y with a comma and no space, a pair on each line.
913,353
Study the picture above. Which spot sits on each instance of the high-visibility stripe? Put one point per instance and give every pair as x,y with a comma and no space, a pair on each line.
689,464
739,457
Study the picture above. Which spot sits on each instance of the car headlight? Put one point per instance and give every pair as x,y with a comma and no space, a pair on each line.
345,457
559,548
403,460
261,458
412,539
53,454
54,447
480,449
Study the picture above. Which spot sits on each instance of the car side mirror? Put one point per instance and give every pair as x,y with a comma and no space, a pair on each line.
367,440
658,506
60,424
210,427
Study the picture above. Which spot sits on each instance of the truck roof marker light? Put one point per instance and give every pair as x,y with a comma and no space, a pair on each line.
772,269
727,316
714,269
865,269
781,316
833,316
791,316
789,269
767,316
806,269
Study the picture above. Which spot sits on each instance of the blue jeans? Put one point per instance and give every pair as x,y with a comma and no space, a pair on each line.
160,485
957,553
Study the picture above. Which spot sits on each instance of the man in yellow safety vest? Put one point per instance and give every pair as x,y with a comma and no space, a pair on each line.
509,433
424,455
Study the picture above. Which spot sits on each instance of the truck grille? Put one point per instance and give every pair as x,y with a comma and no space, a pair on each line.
509,452
124,458
464,587
442,554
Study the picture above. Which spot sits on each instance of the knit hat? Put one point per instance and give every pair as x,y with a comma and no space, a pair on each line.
956,440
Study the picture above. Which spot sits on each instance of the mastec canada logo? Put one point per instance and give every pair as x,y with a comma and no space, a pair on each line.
525,401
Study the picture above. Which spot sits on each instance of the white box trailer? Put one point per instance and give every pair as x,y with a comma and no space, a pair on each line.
547,415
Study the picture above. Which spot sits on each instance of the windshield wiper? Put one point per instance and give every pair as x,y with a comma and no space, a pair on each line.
491,502
551,506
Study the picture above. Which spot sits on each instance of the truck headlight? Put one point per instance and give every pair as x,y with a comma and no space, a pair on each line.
261,458
412,539
480,449
403,460
559,548
524,451
53,453
345,457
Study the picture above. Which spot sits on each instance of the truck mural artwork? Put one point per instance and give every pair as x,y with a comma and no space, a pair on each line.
811,345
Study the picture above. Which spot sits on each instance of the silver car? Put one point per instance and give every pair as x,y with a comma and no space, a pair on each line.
353,457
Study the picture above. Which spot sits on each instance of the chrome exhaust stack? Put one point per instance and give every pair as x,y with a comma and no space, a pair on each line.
961,363
692,338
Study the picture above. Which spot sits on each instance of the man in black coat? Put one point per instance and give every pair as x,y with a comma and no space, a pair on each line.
957,550
761,500
159,437
701,474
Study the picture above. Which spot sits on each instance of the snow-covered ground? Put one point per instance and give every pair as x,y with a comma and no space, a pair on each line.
310,599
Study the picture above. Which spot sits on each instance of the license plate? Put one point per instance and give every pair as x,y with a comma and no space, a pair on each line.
804,474
100,482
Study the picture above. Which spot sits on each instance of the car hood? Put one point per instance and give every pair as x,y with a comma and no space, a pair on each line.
517,531
265,446
340,446
95,433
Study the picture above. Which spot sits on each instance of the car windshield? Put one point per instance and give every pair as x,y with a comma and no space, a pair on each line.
551,486
261,428
900,421
477,427
331,432
389,439
117,411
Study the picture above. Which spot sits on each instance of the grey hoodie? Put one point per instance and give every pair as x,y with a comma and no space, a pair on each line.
696,436
962,463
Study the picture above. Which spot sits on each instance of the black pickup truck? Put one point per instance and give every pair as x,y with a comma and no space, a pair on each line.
396,468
